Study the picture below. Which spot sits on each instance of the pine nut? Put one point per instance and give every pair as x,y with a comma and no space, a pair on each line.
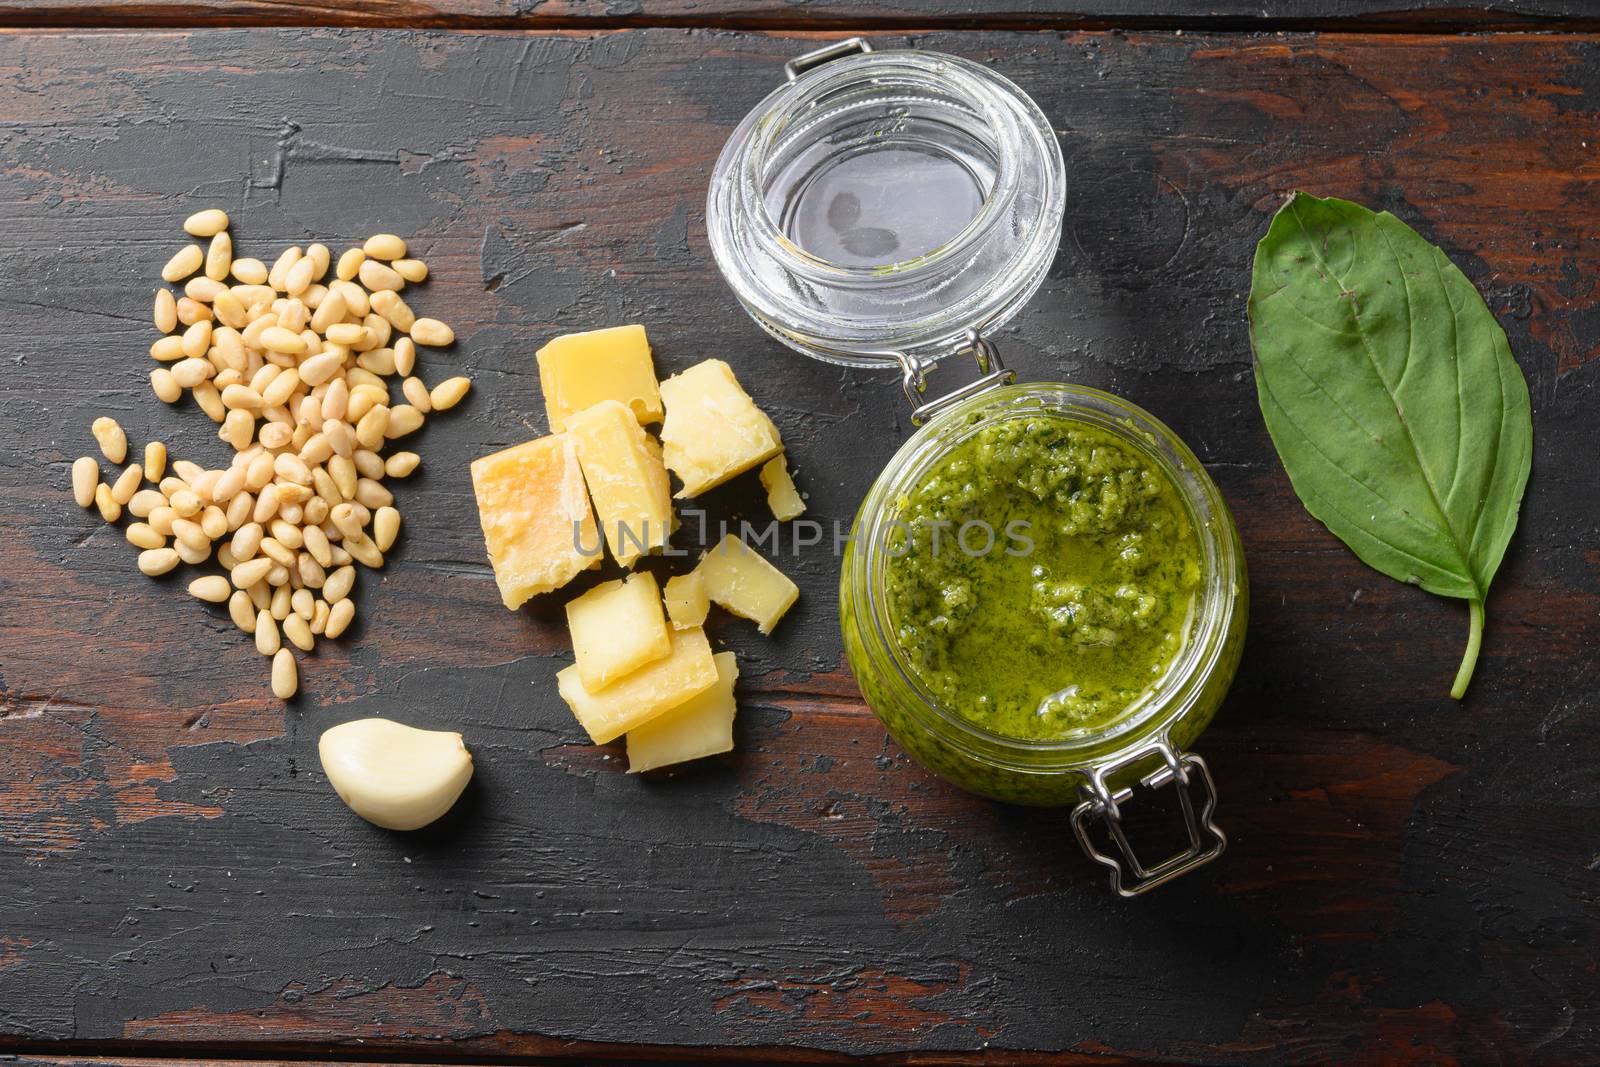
143,535
112,441
145,501
186,502
279,607
192,371
316,543
340,616
416,394
379,361
219,257
229,311
319,617
292,493
274,550
246,541
432,332
331,309
192,554
292,467
281,266
157,561
374,275
285,675
206,223
267,640
316,510
312,574
347,333
167,349
166,311
110,510
297,628
384,246
127,484
214,521
304,603
403,419
197,339
203,290
297,279
385,527
189,532
355,298
350,264
250,271
192,311
166,388
250,571
155,460
161,520
412,270
364,551
279,339
242,611
405,355
401,464
276,435
370,430
205,394
339,584
260,596
319,256
239,510
286,533
259,473
85,477
213,589
184,262
239,427
204,485
397,311
368,464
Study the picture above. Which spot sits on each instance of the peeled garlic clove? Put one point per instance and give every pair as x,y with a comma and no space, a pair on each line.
394,775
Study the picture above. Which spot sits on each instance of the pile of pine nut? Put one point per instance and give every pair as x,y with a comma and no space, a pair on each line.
293,369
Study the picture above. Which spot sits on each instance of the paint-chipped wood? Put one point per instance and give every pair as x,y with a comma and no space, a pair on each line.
1408,877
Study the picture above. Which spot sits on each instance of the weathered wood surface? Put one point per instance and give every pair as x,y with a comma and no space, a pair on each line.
1435,16
1408,878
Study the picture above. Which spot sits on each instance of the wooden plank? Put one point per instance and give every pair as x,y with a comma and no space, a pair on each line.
1406,875
820,16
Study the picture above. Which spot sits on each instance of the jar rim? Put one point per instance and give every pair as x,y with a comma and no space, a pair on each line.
976,278
1180,687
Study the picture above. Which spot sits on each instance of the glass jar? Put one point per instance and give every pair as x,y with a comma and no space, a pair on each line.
1096,769
889,209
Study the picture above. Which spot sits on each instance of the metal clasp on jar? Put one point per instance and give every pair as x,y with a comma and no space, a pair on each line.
914,376
1129,876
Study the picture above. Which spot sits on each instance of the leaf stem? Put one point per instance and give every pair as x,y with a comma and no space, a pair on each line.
1474,640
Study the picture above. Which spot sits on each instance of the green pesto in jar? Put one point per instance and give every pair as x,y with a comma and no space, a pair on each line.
1078,606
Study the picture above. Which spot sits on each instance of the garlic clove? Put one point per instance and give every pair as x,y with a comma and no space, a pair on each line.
394,775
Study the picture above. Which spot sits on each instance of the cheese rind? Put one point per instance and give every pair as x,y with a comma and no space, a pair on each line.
782,497
687,671
701,726
746,584
535,514
617,627
578,370
713,430
687,602
626,479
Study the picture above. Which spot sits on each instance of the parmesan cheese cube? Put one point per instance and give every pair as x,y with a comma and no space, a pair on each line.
713,430
616,628
687,603
701,726
535,515
782,497
630,702
578,370
627,480
746,584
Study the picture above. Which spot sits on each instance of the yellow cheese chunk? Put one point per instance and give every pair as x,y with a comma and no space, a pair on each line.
687,603
630,702
782,497
746,584
617,627
578,370
702,726
627,481
536,518
713,430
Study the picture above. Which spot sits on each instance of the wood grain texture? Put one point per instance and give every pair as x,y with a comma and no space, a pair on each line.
1409,879
1392,16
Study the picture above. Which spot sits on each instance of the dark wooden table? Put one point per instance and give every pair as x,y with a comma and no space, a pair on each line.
1409,879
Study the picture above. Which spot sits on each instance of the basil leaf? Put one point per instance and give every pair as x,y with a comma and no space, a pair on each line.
1392,398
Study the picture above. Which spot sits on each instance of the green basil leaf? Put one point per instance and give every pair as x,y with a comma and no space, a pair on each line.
1391,395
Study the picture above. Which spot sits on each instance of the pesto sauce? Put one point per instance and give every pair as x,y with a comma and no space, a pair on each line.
1081,603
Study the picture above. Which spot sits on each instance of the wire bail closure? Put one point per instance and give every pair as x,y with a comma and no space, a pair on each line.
1181,769
850,46
914,372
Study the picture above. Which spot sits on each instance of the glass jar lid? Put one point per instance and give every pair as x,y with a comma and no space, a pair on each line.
887,208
